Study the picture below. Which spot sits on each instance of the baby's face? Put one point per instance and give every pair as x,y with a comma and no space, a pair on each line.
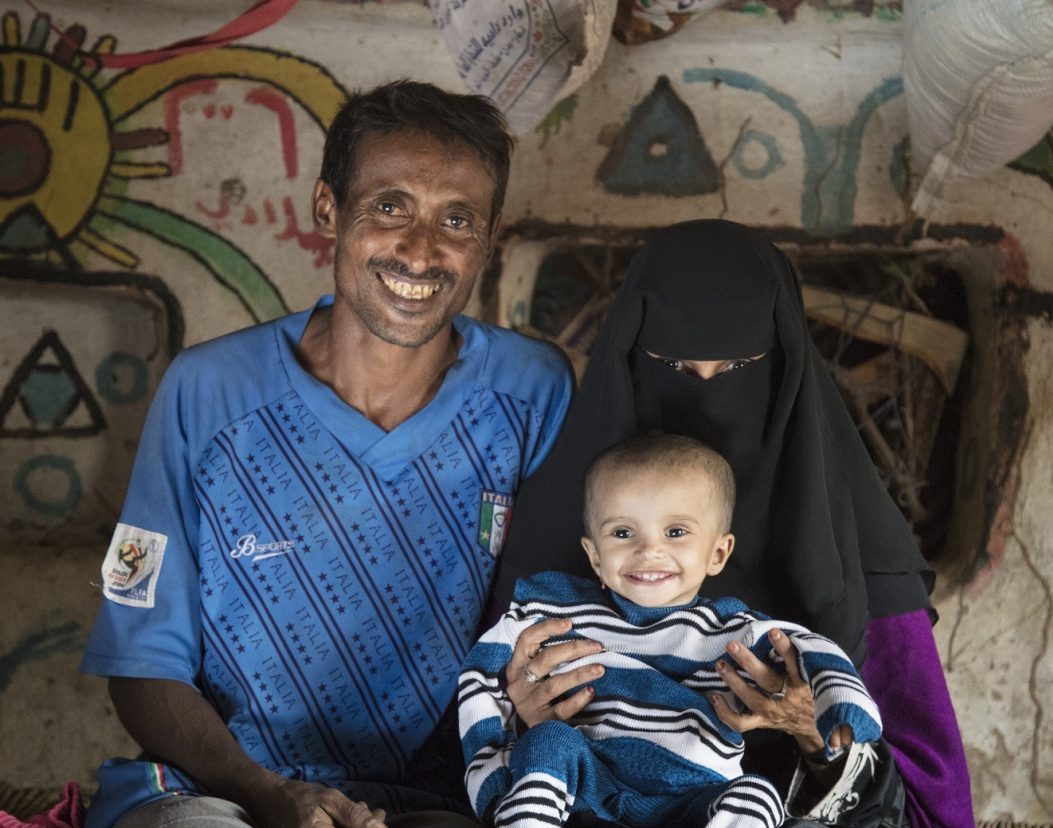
654,537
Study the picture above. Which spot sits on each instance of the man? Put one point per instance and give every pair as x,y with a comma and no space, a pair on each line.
312,521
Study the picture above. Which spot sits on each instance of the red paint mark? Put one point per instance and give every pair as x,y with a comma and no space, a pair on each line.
173,105
68,45
263,14
210,110
1017,272
220,212
139,138
249,216
276,103
268,211
314,242
227,111
1000,533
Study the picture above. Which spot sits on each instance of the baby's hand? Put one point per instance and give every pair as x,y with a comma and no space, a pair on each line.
842,737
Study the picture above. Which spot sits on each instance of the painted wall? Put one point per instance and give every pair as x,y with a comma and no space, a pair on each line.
148,209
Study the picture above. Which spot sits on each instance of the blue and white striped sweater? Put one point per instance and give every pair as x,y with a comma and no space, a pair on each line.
651,707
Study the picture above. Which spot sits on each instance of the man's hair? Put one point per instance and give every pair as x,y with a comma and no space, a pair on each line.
671,453
408,106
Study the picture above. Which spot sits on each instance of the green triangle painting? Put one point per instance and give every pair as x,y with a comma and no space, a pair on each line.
47,397
660,151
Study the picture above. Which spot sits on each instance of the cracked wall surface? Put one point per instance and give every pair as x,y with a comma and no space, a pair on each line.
996,636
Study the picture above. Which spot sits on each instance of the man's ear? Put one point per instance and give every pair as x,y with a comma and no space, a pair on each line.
592,552
323,209
721,553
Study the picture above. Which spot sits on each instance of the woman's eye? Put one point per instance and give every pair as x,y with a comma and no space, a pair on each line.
735,364
675,364
388,207
457,222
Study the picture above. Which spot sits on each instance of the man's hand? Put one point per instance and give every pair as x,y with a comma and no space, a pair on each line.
291,803
174,723
530,686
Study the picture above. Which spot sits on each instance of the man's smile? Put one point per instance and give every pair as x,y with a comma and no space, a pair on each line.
416,291
405,283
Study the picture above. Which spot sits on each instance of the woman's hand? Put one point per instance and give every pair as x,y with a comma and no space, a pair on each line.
793,709
531,687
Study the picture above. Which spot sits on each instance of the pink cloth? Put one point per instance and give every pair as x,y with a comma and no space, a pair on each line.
68,812
905,677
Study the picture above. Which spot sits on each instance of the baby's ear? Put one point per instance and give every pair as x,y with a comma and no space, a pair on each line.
592,553
721,553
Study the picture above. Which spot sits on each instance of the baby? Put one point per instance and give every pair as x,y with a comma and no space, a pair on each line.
649,749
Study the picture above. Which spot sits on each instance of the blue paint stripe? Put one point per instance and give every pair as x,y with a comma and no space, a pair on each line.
831,154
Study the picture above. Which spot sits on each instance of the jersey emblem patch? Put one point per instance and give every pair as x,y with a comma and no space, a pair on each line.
132,566
495,510
248,547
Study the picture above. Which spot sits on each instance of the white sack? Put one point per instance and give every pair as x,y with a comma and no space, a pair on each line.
524,54
978,77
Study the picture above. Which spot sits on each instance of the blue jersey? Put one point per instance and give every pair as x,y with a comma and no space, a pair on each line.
317,578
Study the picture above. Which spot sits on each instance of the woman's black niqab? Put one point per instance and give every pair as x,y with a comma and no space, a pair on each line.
818,539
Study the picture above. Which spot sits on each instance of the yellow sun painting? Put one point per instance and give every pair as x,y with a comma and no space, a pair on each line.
66,154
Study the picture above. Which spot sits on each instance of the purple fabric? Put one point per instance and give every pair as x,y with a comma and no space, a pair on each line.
905,677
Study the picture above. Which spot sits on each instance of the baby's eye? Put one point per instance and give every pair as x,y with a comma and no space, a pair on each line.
622,533
675,532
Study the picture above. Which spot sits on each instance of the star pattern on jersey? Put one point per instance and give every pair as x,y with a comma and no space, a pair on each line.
394,599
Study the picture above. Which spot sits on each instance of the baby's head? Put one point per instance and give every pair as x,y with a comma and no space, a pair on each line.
657,514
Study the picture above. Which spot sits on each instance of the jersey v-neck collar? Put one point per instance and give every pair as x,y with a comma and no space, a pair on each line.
386,452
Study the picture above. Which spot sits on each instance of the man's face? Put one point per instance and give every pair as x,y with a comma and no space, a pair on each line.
413,235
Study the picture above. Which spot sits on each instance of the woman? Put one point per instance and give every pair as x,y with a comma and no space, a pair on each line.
708,338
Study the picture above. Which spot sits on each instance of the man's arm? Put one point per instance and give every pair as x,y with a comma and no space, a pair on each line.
176,725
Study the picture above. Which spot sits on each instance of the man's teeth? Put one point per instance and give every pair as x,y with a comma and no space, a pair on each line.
408,291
